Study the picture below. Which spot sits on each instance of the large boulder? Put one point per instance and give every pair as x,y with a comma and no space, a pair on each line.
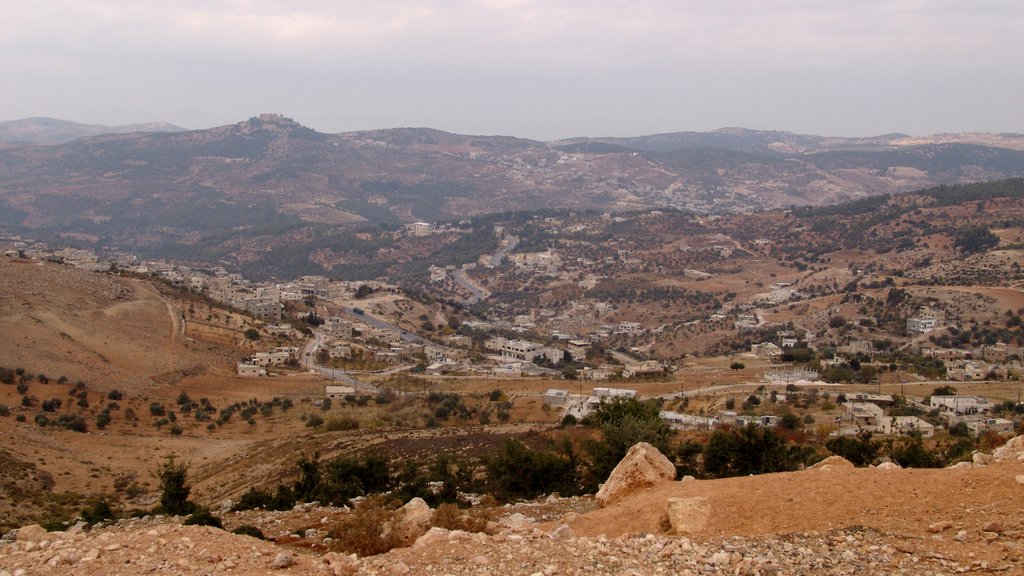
687,515
1012,451
833,463
643,466
411,521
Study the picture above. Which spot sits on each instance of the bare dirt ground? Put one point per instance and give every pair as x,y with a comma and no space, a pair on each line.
835,520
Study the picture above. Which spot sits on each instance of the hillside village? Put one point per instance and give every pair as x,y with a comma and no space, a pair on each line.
486,322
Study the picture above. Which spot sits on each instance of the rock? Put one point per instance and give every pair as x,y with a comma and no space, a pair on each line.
832,463
688,478
399,569
563,532
960,466
282,560
940,526
517,522
225,506
1012,450
1019,479
91,555
720,558
32,533
341,564
643,466
961,536
411,521
688,515
993,526
981,459
433,536
889,466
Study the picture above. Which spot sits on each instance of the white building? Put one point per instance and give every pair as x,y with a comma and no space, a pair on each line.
960,405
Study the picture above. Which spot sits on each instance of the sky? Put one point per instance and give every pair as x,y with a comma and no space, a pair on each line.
540,69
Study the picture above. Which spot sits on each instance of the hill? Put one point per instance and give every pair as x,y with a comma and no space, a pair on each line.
161,193
47,131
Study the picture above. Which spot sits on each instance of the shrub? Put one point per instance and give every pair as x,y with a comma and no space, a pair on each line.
202,517
176,430
249,530
860,450
519,472
568,420
342,423
365,532
174,487
314,421
98,512
115,395
450,517
4,410
157,409
102,419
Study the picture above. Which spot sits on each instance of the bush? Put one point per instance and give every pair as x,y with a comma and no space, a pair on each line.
342,423
450,517
98,512
860,450
249,530
174,488
365,532
202,517
517,472
314,421
176,430
568,420
4,410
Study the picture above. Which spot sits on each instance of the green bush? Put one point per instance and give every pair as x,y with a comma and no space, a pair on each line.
174,488
202,517
249,530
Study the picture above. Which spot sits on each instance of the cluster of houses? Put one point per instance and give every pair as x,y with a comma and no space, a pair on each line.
256,365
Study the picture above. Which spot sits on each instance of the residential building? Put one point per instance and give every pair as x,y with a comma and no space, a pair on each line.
960,405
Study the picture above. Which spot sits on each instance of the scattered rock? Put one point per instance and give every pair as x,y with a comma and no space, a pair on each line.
643,466
433,536
563,532
981,459
940,526
687,515
993,526
517,522
282,560
32,533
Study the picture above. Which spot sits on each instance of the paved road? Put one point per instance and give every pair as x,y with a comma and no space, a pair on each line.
476,293
498,256
377,322
309,361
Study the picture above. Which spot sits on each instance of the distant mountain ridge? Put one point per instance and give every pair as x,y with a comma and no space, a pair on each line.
41,130
271,175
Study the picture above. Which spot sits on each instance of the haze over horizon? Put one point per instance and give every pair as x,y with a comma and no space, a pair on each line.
526,68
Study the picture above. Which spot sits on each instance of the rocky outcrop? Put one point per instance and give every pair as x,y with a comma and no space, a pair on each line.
1012,451
643,466
832,463
687,515
411,521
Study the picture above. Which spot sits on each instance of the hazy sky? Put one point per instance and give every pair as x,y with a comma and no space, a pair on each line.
540,69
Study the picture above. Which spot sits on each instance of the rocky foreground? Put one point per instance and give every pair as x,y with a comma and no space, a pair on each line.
940,522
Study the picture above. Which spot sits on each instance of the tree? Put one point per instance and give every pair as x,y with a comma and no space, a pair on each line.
252,334
173,477
363,291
